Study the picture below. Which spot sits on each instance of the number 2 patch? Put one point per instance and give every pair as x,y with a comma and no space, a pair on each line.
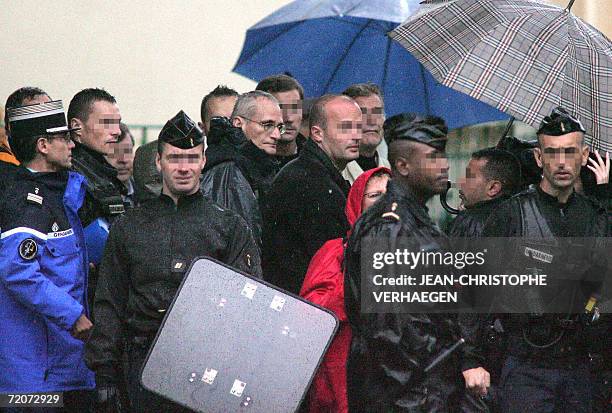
28,249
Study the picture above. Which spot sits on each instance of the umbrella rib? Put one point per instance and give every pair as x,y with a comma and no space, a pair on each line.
386,65
344,55
425,89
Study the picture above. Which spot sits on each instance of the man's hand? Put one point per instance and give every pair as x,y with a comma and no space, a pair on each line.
81,328
477,380
600,168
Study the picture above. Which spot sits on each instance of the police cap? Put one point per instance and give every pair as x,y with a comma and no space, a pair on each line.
182,132
430,130
560,122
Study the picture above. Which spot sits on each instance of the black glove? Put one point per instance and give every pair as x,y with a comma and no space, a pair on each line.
108,399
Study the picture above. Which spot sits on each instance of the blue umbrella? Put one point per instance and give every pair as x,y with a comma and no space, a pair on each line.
328,45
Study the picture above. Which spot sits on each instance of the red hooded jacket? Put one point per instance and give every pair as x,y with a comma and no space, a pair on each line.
324,285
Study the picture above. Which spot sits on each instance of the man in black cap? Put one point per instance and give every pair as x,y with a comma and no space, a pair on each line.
389,350
148,252
547,365
43,269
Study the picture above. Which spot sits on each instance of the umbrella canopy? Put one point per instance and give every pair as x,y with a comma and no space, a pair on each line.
328,45
522,56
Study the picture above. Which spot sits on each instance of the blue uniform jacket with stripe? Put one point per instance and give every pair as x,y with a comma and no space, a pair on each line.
43,283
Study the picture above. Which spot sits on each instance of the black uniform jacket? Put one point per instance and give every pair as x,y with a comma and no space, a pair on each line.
303,210
535,214
389,350
148,252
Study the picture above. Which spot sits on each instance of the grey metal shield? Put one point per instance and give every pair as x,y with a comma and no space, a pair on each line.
232,343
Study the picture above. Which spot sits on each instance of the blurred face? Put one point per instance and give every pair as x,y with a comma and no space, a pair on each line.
122,158
291,107
473,187
426,169
340,139
58,151
101,130
180,169
373,118
374,190
221,106
263,128
561,158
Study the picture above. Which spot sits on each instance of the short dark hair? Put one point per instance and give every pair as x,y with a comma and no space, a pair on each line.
218,92
125,131
318,114
81,103
363,90
18,97
280,83
501,166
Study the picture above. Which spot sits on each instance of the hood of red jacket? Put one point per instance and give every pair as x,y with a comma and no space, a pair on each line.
355,196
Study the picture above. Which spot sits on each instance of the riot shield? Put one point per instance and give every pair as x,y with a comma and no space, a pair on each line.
232,343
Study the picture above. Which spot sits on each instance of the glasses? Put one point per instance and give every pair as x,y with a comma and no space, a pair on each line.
373,195
269,125
63,136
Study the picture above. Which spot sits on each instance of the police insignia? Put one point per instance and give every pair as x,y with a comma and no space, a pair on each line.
28,249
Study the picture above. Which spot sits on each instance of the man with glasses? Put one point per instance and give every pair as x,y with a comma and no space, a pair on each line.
305,206
259,116
43,269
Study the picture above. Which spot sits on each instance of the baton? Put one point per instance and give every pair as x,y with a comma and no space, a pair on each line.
442,356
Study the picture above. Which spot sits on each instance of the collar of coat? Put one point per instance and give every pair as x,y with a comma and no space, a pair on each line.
311,152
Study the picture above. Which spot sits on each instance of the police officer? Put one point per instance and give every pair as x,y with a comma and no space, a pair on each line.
389,351
148,252
43,268
547,366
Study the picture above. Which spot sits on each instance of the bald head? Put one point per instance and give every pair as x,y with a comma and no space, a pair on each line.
335,126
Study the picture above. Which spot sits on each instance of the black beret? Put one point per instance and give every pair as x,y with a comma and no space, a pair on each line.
182,132
560,122
430,130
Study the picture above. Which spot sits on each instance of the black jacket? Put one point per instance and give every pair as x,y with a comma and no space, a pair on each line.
224,178
104,191
139,275
470,223
389,350
259,167
533,215
303,210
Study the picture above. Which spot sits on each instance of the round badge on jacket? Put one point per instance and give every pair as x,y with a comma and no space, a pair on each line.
28,249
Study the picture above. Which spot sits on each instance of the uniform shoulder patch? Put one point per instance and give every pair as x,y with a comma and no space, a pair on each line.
392,214
28,249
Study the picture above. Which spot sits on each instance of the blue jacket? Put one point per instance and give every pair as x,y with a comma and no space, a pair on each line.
43,283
